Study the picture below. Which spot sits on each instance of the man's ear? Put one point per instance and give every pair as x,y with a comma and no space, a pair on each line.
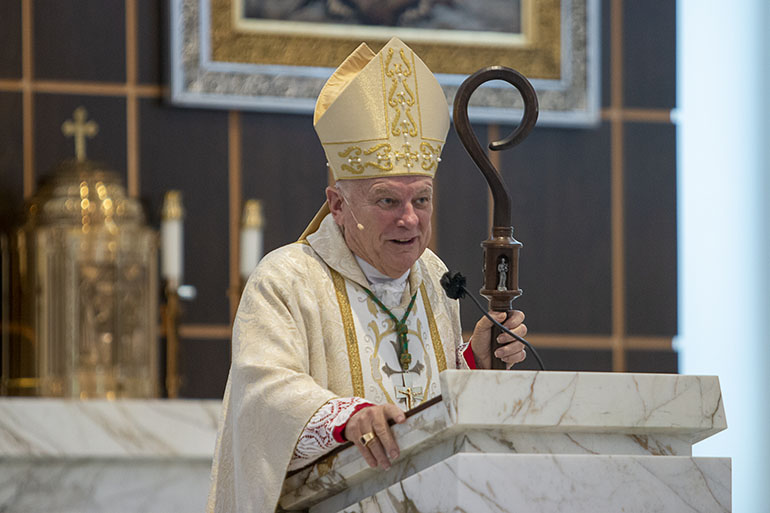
334,197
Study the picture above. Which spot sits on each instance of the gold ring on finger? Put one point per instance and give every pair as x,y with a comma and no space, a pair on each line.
367,438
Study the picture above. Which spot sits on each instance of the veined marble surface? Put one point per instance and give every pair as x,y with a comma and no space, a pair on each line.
539,483
103,485
94,456
530,413
688,406
98,428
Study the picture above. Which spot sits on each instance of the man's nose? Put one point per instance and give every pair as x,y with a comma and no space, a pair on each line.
408,217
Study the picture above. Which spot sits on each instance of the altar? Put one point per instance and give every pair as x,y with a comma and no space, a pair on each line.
94,456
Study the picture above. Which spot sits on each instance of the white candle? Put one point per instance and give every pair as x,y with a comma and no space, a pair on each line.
172,238
251,237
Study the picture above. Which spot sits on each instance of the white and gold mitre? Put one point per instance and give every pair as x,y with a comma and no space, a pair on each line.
382,114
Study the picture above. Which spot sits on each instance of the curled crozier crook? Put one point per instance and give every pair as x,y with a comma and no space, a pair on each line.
500,195
501,250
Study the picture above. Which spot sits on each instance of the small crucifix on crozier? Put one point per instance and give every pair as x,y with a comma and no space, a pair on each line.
502,270
413,395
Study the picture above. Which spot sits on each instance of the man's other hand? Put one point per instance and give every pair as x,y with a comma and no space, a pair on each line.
512,352
382,449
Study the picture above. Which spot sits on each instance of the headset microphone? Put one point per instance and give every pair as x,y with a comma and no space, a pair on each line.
358,225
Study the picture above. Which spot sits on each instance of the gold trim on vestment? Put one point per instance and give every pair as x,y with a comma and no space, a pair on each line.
350,333
438,347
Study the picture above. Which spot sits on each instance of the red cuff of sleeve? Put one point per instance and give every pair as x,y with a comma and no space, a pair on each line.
469,358
339,432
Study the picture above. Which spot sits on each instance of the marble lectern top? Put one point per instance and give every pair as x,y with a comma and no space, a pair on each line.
524,412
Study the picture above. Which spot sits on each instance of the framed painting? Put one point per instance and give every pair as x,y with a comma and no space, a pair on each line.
275,55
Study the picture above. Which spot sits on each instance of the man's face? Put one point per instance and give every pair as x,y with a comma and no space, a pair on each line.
395,213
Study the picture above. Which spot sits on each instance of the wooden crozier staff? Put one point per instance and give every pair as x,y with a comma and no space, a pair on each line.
501,250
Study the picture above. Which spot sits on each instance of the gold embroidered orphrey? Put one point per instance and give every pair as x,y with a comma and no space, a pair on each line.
346,313
412,394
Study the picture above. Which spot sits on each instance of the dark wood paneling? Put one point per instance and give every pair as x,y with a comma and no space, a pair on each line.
462,217
560,187
606,53
650,229
80,40
152,39
10,39
107,147
203,366
649,54
284,166
11,160
653,361
186,149
570,360
601,360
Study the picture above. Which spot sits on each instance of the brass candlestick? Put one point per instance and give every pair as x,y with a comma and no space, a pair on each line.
172,244
171,327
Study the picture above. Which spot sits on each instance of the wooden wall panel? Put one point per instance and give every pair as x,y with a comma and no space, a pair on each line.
606,63
561,213
284,165
11,180
600,360
151,41
462,217
649,54
186,149
204,364
10,40
650,198
80,40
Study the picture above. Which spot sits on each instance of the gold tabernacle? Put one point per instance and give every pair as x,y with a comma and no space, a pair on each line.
85,282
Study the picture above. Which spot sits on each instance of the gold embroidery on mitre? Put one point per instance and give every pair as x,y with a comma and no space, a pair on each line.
381,156
400,133
401,98
430,156
378,156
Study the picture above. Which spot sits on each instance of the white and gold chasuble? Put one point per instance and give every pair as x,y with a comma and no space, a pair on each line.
306,333
378,375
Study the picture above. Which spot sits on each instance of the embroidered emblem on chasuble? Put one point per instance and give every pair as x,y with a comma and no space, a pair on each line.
373,346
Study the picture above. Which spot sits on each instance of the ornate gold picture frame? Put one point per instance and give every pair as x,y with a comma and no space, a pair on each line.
222,56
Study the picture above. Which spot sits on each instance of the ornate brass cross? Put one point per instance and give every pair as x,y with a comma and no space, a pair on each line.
411,393
80,129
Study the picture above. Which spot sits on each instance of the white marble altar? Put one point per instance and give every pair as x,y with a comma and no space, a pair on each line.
539,442
105,456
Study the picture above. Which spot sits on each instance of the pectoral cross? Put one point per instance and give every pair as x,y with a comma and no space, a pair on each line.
411,393
80,129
